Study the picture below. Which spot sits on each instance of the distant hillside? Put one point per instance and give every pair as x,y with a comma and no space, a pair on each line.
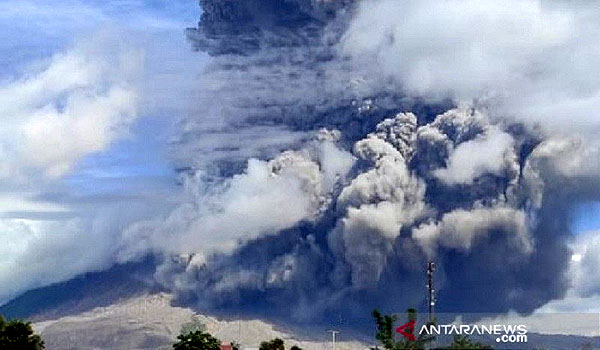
82,293
150,322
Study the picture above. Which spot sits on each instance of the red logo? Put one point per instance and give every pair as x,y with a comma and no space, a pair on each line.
407,330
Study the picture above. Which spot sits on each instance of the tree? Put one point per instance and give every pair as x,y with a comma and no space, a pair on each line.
295,347
197,340
18,335
385,329
462,342
386,332
274,344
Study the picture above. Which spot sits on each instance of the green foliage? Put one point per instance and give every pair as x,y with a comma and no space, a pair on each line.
462,342
386,333
18,335
385,329
274,344
197,340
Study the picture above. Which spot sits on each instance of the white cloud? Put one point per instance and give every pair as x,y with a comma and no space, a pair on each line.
76,78
79,104
530,59
76,104
491,153
584,269
36,253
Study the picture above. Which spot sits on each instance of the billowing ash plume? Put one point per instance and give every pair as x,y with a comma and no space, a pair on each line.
319,235
276,73
317,189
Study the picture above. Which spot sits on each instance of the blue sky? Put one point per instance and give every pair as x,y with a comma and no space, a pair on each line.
587,217
120,176
33,31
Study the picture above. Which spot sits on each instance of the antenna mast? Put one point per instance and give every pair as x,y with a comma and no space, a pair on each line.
430,270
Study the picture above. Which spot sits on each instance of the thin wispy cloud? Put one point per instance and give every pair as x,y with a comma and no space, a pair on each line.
81,159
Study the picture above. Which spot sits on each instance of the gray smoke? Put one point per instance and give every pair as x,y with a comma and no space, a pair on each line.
321,177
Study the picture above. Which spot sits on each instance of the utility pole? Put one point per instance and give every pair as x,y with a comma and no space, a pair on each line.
333,333
239,340
431,299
